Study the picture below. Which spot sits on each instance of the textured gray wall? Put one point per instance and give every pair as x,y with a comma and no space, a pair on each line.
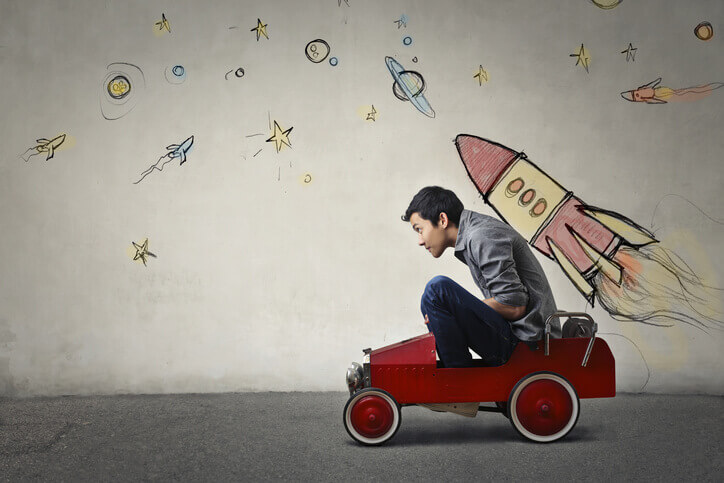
263,281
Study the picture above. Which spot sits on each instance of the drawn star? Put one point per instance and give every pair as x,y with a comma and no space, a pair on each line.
142,252
583,57
260,29
482,75
280,137
402,22
630,52
163,23
372,114
339,3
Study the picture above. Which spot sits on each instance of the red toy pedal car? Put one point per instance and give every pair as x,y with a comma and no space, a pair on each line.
537,389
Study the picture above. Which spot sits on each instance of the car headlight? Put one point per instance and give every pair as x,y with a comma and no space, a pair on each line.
355,377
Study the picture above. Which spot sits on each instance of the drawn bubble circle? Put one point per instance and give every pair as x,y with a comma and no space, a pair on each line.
121,88
317,50
407,40
413,81
238,73
175,74
333,61
607,4
704,31
414,59
307,178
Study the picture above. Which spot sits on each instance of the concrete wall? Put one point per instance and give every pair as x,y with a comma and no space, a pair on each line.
274,268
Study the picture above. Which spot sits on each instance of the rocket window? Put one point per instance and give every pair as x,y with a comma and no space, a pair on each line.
527,197
538,208
514,187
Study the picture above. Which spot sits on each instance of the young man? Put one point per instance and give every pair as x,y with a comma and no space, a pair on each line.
518,299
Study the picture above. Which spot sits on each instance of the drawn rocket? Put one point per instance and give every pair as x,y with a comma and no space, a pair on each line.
583,239
49,145
179,150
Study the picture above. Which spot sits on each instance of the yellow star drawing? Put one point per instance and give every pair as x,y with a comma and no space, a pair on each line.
142,251
372,114
482,75
163,23
260,29
280,137
583,57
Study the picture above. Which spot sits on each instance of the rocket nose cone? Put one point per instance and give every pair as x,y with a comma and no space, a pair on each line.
474,147
485,160
628,95
463,139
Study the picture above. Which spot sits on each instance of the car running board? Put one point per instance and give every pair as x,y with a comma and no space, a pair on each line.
467,409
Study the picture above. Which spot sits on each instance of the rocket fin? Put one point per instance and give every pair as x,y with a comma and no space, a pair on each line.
571,272
653,83
628,230
609,269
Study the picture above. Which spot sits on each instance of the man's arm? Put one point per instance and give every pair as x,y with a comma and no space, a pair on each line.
494,253
509,312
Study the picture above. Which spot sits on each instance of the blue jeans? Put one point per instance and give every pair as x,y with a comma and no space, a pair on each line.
459,321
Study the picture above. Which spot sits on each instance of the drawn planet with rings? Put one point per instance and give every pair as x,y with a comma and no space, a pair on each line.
120,89
317,50
704,31
409,85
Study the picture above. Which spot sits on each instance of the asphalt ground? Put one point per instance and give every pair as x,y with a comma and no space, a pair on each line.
300,436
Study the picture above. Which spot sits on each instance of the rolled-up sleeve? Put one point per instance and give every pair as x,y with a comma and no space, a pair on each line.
494,257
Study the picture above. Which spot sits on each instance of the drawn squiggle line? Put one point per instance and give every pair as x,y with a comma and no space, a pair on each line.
648,369
155,166
720,222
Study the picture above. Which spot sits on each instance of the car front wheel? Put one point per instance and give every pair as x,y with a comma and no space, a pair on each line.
371,416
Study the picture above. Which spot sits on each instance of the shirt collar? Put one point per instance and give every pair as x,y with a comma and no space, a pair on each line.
460,240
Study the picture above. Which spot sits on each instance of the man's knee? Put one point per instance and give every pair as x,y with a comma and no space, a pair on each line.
438,282
435,287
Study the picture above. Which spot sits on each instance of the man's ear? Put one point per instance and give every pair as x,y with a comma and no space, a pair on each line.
443,220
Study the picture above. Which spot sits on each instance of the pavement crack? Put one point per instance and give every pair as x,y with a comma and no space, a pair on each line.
39,447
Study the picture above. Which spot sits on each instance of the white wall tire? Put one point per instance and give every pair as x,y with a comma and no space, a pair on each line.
371,416
543,407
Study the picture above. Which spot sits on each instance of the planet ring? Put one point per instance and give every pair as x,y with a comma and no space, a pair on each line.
416,98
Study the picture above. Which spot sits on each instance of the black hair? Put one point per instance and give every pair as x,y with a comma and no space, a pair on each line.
430,201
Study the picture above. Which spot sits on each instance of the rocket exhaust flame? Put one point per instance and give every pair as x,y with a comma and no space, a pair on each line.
658,288
604,254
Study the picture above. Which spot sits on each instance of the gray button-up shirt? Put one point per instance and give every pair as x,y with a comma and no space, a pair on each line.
504,267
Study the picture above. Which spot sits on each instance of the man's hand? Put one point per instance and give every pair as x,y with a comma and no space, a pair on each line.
509,312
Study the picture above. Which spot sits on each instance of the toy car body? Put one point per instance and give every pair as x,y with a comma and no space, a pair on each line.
538,389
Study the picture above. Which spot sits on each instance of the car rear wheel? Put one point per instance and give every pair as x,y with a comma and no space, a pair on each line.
371,416
543,407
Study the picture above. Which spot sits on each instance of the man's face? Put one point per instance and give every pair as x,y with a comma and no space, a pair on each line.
431,236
